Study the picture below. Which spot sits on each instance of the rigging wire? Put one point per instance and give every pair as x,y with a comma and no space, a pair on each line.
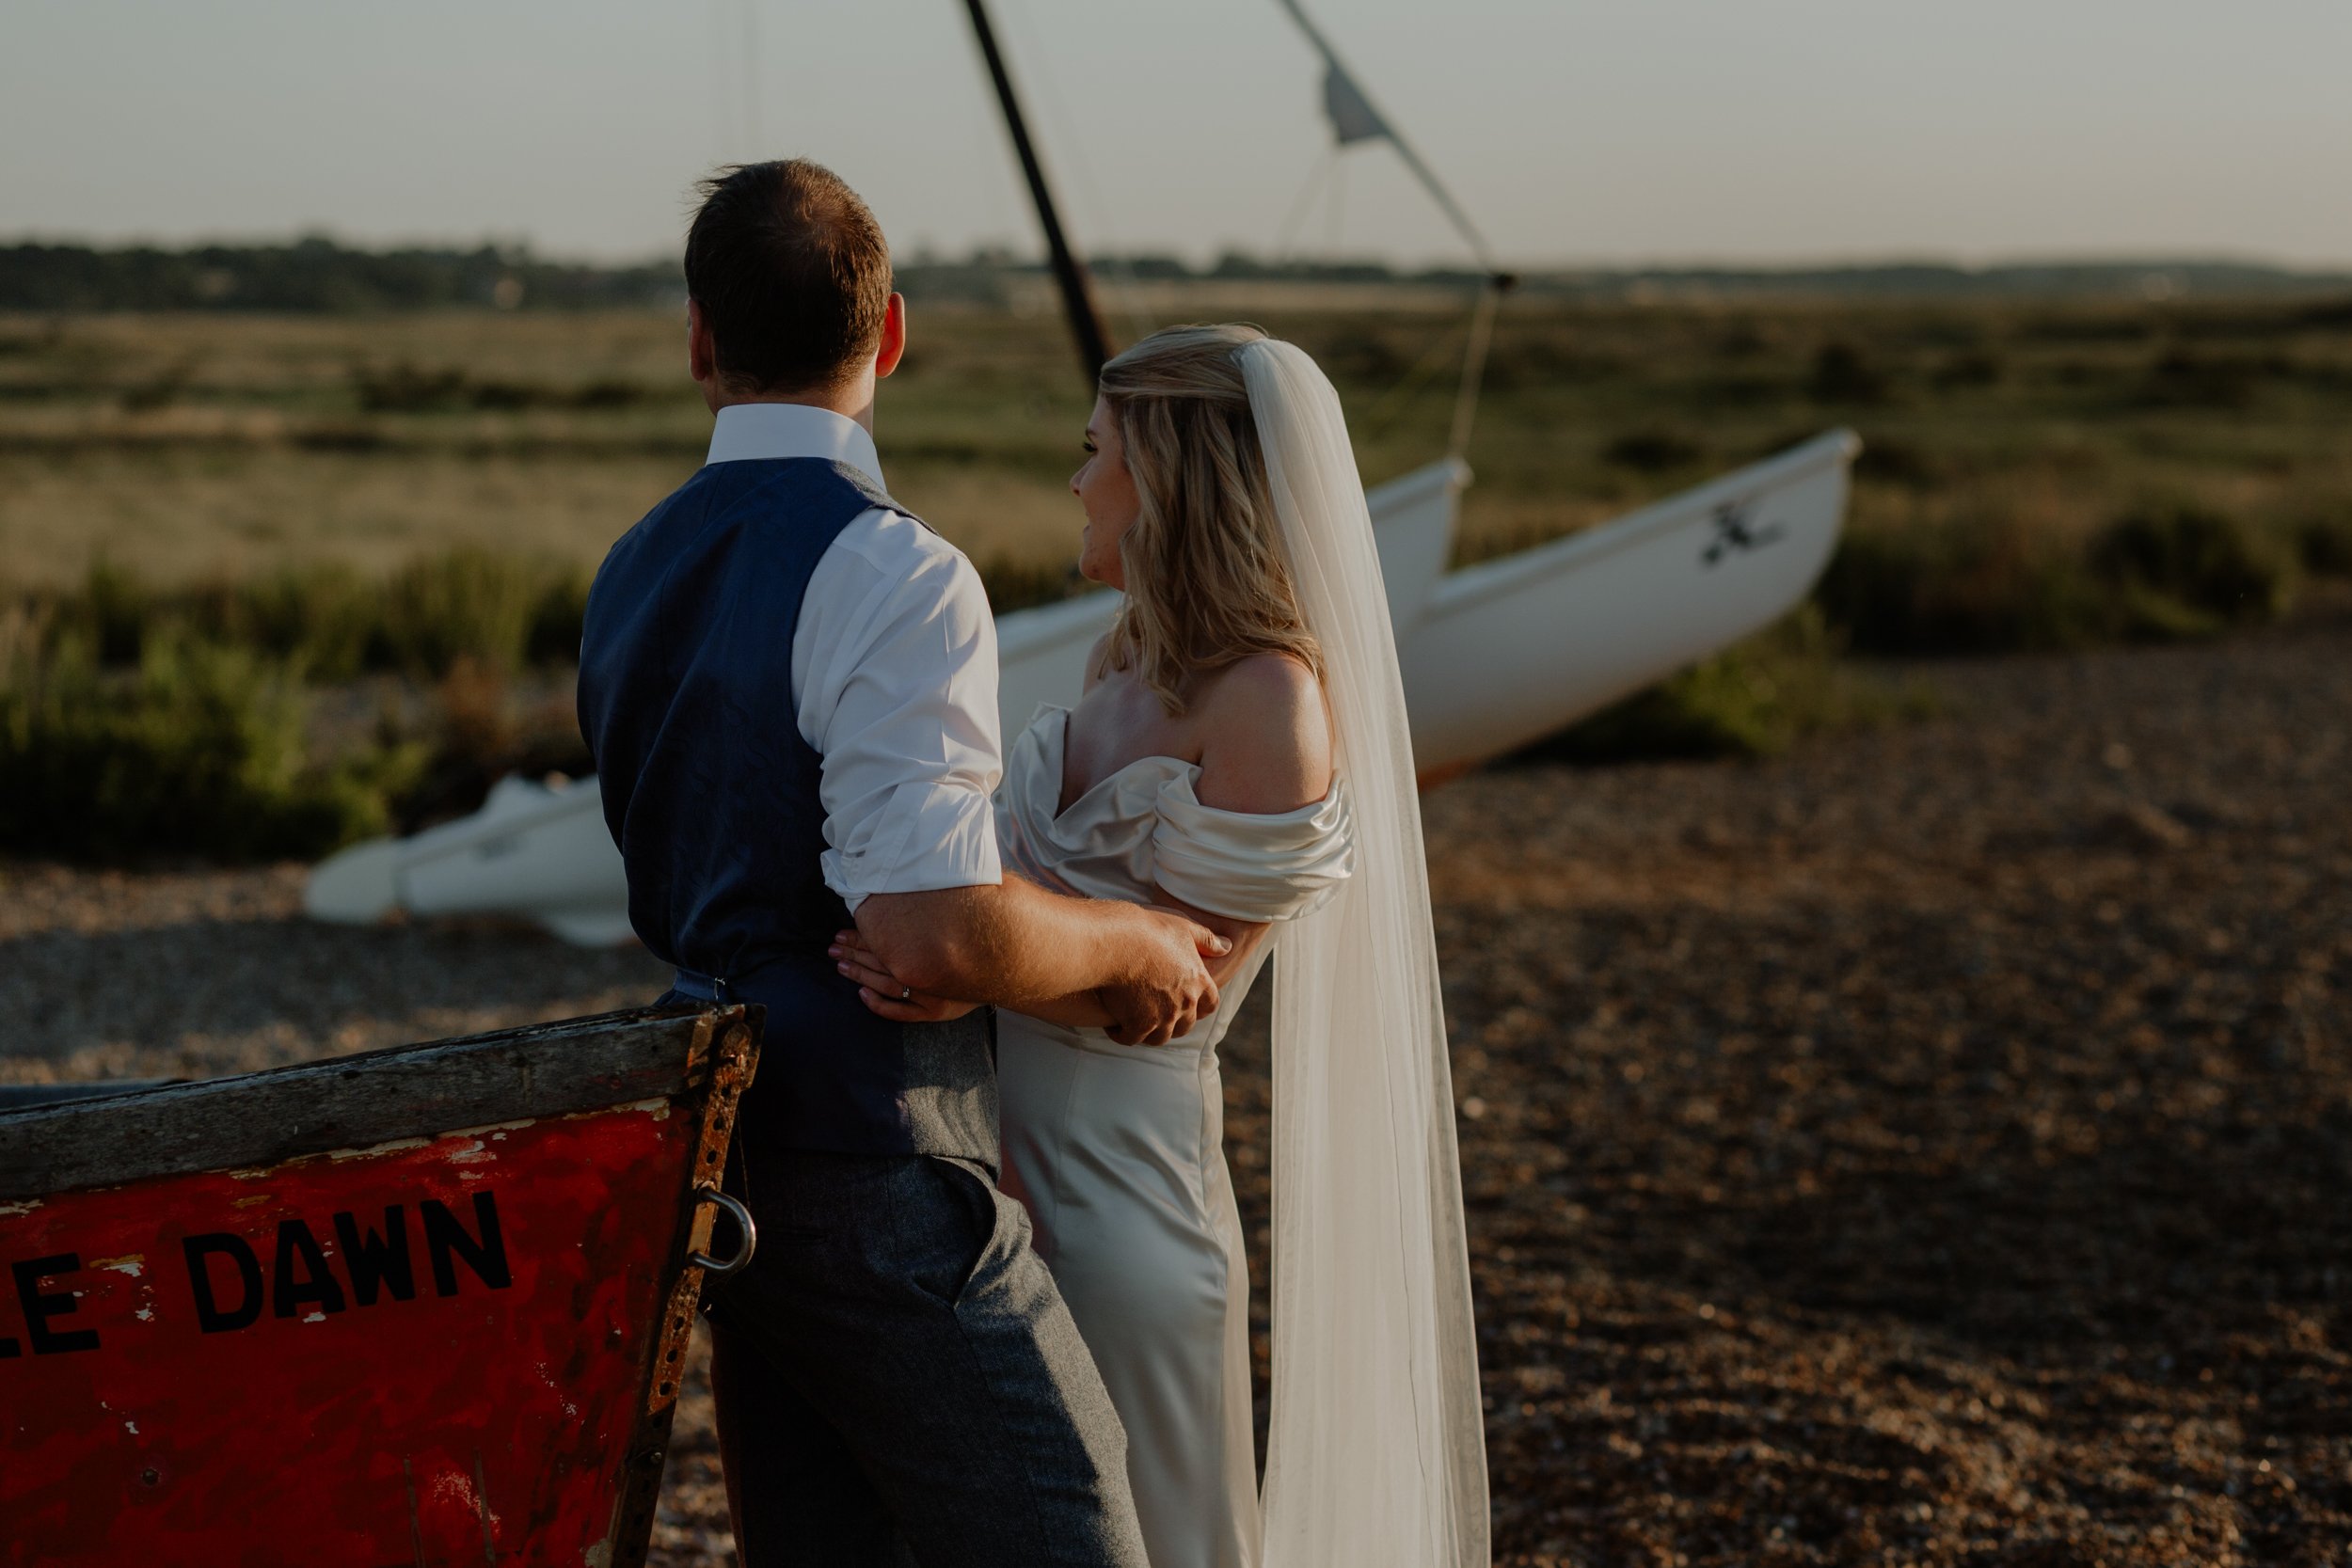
1383,416
1335,215
1354,119
1126,288
1473,371
1307,193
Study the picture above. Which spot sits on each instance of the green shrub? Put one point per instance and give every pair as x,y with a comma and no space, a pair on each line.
1990,579
1024,583
2181,378
481,728
334,624
2324,544
1653,452
113,612
1890,460
1971,366
1842,373
1755,699
201,751
405,388
2175,567
1976,582
325,619
467,604
559,614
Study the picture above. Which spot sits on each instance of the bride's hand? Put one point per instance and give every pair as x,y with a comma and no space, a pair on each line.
883,992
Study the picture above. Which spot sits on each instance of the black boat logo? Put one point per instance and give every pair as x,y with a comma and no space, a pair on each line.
1733,532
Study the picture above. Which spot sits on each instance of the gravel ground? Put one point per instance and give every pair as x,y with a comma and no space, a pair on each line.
1933,1146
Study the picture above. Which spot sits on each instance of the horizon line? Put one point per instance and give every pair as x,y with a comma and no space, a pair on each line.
988,252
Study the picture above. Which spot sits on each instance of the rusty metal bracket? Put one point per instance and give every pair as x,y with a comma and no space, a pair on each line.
724,1268
726,1040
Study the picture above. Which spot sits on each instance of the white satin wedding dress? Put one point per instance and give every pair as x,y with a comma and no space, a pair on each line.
1375,1454
1118,1151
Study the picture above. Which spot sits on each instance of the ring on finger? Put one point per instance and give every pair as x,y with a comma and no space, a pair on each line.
906,993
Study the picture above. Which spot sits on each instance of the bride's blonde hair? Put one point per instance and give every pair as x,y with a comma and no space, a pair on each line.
1208,582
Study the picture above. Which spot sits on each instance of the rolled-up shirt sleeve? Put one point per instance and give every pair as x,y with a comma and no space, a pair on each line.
895,669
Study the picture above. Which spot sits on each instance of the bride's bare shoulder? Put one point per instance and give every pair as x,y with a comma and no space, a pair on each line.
1096,668
1266,737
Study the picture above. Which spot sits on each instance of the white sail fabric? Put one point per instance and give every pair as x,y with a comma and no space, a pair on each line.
1376,1452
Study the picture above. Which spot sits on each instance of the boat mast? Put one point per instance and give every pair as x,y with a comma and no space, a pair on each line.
1077,294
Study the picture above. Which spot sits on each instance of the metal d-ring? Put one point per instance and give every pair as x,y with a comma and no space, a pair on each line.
717,1267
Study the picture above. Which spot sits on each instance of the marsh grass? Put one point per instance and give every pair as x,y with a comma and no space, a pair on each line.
370,441
434,616
2008,569
328,623
256,515
201,749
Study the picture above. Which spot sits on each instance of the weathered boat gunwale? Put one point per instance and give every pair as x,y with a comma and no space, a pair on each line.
358,1101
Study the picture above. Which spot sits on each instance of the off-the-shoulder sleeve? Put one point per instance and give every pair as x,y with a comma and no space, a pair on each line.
1251,867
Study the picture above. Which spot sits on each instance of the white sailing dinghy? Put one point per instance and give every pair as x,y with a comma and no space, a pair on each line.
1495,656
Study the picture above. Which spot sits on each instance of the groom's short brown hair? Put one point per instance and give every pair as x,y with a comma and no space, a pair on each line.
792,275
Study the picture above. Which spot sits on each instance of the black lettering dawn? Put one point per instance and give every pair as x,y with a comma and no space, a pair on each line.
209,1315
446,1240
230,1286
42,1306
377,1262
313,1286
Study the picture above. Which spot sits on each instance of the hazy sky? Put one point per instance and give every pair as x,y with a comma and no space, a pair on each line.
1573,130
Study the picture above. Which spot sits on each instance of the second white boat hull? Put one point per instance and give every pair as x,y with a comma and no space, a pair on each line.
1511,650
1494,657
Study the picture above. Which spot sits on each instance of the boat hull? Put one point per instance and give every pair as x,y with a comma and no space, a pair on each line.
1511,650
1493,657
240,1339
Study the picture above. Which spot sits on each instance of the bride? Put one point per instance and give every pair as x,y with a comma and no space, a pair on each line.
1240,753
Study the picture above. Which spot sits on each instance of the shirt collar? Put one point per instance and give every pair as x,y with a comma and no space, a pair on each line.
747,431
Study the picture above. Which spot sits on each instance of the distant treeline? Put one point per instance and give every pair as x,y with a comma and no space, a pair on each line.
318,274
315,275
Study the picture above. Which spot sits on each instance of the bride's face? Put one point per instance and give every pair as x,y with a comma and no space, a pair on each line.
1108,492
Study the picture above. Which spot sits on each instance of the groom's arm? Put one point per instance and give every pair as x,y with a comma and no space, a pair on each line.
894,669
1017,946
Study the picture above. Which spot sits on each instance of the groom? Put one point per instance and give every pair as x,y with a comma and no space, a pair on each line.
789,686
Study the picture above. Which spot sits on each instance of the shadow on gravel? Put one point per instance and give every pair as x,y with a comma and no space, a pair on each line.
2162,1247
1862,1232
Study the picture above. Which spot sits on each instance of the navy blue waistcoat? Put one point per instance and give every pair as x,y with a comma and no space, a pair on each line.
686,700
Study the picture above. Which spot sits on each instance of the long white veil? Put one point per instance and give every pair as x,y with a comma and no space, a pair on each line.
1377,1453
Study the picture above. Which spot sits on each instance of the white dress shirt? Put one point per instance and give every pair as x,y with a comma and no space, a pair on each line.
893,677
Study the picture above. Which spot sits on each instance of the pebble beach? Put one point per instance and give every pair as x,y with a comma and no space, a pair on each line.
1932,1146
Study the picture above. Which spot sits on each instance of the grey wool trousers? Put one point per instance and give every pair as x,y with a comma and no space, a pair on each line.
898,1381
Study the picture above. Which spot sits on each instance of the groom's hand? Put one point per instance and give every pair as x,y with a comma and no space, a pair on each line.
1169,988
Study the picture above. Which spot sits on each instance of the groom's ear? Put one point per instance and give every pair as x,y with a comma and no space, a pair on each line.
893,346
702,355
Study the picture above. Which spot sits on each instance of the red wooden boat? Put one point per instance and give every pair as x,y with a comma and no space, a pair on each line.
417,1307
